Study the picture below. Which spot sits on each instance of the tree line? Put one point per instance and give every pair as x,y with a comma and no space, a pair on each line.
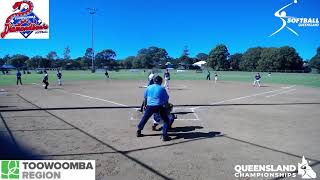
285,58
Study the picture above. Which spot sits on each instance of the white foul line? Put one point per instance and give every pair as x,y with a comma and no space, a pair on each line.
100,99
195,114
281,93
253,95
244,97
132,119
194,108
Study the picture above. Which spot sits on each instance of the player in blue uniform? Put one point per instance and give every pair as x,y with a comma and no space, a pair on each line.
257,79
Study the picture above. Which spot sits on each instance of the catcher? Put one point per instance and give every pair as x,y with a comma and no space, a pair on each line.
157,118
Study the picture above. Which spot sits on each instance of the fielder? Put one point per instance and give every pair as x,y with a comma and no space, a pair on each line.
257,79
208,76
107,74
215,78
59,76
166,79
45,80
150,78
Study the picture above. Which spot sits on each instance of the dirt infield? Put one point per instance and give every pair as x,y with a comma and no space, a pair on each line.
219,126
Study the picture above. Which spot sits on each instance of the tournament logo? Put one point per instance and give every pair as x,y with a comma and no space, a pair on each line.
305,170
10,170
275,171
30,19
287,20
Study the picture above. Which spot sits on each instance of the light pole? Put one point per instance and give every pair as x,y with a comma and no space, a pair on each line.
92,12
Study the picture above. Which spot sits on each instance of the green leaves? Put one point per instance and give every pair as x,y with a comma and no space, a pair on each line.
218,57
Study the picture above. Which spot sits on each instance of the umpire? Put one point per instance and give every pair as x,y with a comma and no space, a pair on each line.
156,98
19,77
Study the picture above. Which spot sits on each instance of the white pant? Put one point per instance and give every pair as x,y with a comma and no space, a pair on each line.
59,81
256,82
166,83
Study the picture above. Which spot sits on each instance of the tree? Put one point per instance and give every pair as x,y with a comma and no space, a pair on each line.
52,55
250,59
18,60
31,63
269,60
152,57
290,59
59,63
44,62
105,58
315,60
137,63
185,61
73,64
2,62
84,64
66,53
35,62
235,60
218,57
38,62
306,66
88,57
173,61
202,57
128,62
6,59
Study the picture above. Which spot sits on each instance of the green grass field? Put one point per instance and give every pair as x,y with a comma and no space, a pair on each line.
277,78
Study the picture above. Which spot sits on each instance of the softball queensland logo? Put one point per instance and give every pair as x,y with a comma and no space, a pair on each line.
288,21
24,19
303,170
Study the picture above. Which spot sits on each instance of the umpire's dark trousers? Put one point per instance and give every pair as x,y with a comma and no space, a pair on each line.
150,110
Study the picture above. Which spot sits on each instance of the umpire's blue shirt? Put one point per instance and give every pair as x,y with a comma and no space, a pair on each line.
156,95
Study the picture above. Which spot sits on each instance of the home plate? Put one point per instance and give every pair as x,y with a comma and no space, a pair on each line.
185,114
